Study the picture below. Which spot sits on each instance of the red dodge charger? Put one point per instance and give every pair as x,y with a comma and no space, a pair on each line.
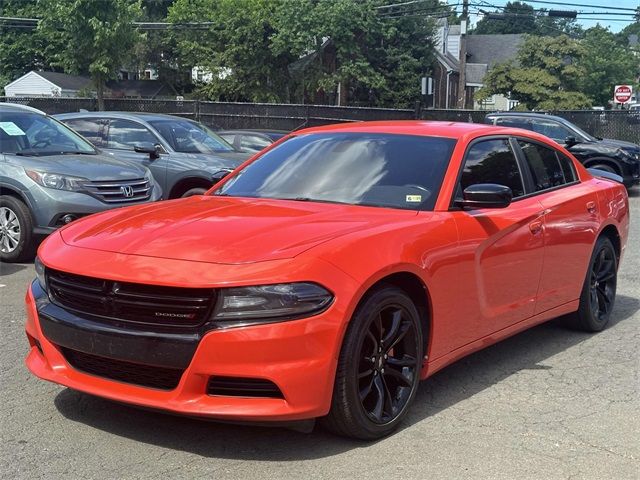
328,274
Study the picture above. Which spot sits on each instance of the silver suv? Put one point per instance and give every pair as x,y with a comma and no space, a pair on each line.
185,157
49,176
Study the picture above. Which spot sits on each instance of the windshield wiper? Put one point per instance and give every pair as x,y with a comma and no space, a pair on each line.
76,153
24,153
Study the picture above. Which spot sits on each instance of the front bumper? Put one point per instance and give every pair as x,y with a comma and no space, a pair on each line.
49,205
298,356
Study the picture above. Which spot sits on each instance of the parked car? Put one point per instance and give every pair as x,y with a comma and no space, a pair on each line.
49,176
252,141
185,157
615,156
634,113
329,275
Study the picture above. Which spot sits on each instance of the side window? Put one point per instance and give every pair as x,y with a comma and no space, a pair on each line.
230,138
492,161
568,168
544,165
514,122
89,128
125,134
253,143
552,129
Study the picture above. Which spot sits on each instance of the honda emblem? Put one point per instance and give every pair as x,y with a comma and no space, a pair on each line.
127,191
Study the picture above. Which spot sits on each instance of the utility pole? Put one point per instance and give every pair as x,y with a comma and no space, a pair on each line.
464,21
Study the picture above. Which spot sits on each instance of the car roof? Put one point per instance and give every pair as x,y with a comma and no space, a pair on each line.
411,127
263,131
144,116
527,115
16,107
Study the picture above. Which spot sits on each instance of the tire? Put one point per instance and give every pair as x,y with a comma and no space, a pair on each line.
193,191
599,290
17,243
376,383
605,168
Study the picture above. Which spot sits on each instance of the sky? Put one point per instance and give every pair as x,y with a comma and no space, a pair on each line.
615,26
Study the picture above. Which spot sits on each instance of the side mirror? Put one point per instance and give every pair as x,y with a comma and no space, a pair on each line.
485,195
148,147
570,141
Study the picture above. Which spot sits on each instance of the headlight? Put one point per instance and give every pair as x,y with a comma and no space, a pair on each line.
57,181
42,280
270,303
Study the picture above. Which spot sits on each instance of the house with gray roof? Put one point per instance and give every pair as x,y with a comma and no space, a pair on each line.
483,52
47,84
55,84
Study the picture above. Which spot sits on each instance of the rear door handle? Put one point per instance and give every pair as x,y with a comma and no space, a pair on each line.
536,227
592,207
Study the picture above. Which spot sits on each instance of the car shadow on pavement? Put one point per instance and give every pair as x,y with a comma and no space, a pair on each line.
10,268
446,388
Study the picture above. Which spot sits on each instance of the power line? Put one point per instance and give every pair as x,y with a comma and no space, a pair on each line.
581,5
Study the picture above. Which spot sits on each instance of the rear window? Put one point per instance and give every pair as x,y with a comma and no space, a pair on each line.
380,170
548,169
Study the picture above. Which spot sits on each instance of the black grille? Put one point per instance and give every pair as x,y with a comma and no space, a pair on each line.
120,191
243,387
132,303
143,375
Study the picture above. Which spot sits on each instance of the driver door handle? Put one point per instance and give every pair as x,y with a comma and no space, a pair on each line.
536,227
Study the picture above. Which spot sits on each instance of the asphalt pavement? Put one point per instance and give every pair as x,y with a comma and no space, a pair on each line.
547,403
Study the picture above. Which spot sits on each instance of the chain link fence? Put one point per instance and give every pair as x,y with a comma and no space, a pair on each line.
618,124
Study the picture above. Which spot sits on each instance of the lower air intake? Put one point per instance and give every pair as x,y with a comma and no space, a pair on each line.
143,375
243,387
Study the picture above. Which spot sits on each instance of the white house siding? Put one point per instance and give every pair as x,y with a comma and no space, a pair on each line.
33,85
453,45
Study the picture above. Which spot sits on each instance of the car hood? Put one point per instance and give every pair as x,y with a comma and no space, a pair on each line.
224,229
220,160
92,167
609,145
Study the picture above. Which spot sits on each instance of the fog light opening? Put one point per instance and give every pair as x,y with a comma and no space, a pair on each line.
34,342
68,218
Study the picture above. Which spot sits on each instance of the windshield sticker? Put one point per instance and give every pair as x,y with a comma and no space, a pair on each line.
11,128
414,198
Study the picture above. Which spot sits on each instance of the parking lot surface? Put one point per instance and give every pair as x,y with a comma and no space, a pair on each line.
547,403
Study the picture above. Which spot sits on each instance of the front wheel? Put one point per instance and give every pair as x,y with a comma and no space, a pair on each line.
16,230
194,191
379,366
599,289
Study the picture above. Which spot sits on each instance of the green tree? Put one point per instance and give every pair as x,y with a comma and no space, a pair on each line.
519,17
606,63
403,55
547,75
236,49
90,37
303,27
21,48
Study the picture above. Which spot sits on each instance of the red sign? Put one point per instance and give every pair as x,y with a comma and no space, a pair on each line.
622,93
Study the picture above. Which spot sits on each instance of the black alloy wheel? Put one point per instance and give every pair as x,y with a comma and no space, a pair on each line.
599,289
602,283
388,364
379,367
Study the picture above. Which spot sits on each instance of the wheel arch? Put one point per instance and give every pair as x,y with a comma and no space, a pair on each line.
14,192
417,290
611,232
187,183
611,162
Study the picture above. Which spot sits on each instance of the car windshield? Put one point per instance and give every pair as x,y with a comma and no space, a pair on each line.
586,135
190,137
380,170
26,133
